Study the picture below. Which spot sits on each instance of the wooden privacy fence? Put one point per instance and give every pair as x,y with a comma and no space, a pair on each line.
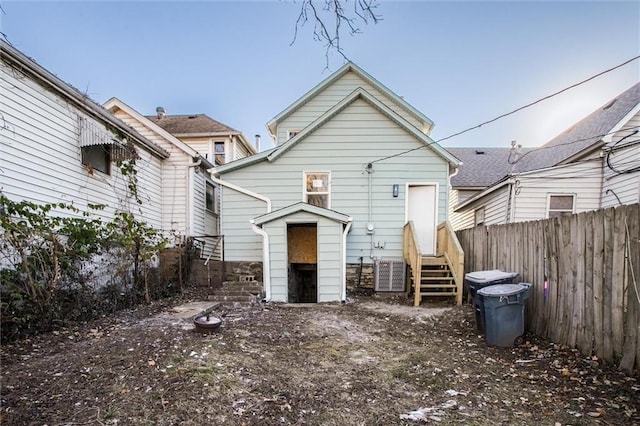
584,269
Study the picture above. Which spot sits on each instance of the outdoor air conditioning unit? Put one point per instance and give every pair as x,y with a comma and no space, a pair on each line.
389,274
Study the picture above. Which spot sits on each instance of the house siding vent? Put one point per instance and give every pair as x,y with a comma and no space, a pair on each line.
389,274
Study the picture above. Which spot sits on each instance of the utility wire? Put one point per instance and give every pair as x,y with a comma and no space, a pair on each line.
530,104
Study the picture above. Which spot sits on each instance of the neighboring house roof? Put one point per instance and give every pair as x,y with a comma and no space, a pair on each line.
481,166
349,66
586,136
198,125
28,66
359,93
115,103
302,207
583,137
180,125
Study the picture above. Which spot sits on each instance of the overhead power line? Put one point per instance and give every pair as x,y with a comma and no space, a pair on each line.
530,104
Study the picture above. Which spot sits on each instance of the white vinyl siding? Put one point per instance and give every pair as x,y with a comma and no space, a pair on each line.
461,219
175,179
533,189
626,186
326,99
359,134
40,155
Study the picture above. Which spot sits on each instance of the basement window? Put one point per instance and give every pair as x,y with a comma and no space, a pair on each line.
560,204
317,189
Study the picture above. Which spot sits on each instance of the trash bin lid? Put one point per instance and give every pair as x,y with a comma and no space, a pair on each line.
487,276
499,290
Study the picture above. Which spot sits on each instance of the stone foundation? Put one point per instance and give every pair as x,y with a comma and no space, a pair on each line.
239,271
357,280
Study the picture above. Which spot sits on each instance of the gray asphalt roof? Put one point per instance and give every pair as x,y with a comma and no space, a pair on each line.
196,123
480,166
482,170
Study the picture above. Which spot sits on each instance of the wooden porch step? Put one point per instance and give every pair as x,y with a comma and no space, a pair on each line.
429,260
437,286
438,293
432,278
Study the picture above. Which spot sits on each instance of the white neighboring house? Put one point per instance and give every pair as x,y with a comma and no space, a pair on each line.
58,146
190,199
594,164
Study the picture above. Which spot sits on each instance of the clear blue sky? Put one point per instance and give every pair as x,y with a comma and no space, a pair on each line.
460,63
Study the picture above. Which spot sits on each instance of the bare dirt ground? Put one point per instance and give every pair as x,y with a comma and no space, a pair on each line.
370,362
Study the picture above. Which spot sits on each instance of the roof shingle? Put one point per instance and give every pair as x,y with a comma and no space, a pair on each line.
186,124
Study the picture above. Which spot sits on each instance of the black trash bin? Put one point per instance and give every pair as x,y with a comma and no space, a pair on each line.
474,281
504,312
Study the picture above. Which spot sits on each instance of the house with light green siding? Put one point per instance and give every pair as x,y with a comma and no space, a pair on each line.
354,187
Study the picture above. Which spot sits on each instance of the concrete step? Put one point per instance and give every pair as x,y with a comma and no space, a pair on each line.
221,298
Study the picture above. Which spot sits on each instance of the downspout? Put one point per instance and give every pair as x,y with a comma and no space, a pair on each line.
190,204
244,191
450,209
266,267
344,259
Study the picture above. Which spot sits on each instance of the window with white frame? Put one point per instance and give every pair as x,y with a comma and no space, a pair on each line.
317,189
560,204
211,202
479,216
218,152
292,133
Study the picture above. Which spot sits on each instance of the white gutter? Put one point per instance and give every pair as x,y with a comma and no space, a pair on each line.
266,267
190,185
344,259
244,191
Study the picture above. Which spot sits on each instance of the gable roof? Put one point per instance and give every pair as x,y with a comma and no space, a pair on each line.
357,94
302,207
114,103
585,136
349,67
27,66
191,124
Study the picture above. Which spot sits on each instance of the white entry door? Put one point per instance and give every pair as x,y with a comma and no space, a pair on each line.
421,209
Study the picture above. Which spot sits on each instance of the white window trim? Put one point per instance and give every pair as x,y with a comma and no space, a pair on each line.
304,185
563,194
475,216
214,153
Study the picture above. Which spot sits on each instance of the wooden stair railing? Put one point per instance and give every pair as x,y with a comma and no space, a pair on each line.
413,257
439,275
447,245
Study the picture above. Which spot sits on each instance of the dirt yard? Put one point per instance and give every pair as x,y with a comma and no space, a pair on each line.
370,362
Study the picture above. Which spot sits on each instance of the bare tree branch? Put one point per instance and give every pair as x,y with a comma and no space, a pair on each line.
324,12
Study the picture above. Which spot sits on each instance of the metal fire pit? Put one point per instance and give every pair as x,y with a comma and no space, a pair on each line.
206,323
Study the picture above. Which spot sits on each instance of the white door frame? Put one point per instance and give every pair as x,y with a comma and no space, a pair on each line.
435,209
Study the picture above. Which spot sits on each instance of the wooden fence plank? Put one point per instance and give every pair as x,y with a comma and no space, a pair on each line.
607,348
554,286
617,281
598,284
587,335
631,351
577,234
